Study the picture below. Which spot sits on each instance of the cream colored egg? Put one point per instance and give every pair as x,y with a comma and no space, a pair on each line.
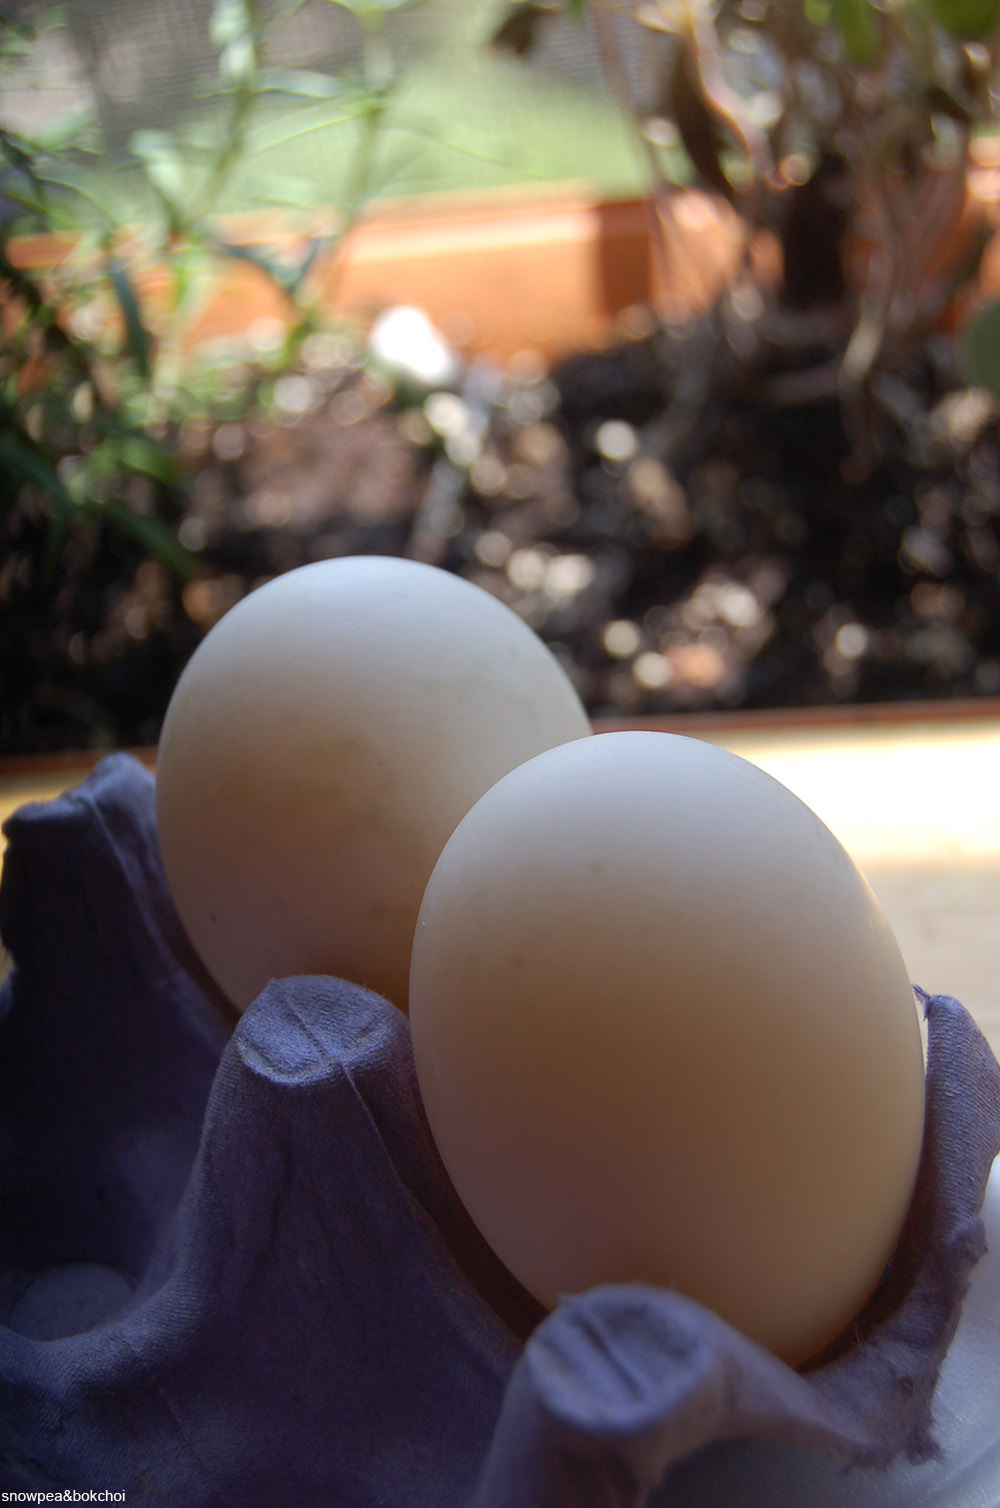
663,1032
321,745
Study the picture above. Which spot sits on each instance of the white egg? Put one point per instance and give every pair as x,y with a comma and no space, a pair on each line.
321,745
663,1032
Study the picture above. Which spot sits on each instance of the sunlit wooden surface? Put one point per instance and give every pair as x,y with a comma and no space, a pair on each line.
917,803
918,807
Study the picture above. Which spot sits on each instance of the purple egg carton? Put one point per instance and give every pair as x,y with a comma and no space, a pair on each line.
234,1271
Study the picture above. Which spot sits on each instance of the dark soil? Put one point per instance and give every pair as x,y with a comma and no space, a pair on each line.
688,530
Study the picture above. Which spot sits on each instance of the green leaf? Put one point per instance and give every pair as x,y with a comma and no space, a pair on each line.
277,191
857,22
264,142
470,141
973,20
238,60
80,187
979,349
365,8
138,341
8,18
230,21
26,201
165,171
301,82
278,273
141,454
18,151
64,132
161,162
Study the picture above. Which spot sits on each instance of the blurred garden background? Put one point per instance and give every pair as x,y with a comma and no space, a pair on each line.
775,486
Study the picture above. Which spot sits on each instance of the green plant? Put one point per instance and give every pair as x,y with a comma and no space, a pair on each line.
104,267
96,369
842,128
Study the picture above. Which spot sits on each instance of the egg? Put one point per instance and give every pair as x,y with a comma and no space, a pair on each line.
320,746
663,1033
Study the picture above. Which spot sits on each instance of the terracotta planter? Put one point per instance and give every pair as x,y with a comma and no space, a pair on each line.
501,273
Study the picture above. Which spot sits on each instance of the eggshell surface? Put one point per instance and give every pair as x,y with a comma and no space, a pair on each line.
321,745
663,1032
